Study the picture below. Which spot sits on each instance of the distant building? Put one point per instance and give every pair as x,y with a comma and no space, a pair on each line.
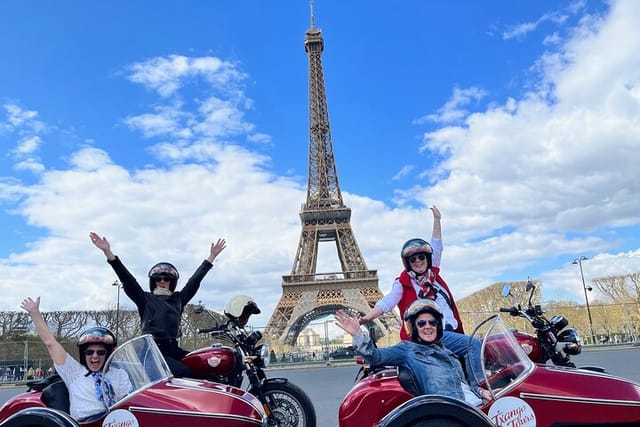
308,338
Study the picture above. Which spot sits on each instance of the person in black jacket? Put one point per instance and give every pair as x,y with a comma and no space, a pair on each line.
161,308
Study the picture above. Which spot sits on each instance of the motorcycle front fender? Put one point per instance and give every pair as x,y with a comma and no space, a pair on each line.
40,417
279,380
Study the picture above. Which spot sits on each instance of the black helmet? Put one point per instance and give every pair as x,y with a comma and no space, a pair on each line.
163,269
415,246
97,335
418,307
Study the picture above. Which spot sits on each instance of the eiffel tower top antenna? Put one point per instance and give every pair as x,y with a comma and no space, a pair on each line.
313,23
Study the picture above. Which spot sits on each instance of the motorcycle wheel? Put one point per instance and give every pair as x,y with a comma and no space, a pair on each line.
290,405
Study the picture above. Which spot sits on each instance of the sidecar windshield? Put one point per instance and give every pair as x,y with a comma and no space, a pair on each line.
504,362
137,361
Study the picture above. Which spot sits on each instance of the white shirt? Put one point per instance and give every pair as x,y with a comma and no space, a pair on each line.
389,301
83,398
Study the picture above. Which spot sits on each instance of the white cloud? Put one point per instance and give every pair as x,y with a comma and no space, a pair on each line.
221,117
403,172
165,121
17,116
27,145
452,111
32,165
259,138
188,135
519,31
167,75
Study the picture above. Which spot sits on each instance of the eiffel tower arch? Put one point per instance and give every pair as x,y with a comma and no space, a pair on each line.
307,294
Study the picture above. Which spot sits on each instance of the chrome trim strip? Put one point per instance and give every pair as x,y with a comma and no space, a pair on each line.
194,385
216,415
588,373
588,400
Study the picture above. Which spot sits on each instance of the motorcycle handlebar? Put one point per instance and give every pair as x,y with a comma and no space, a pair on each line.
510,310
210,330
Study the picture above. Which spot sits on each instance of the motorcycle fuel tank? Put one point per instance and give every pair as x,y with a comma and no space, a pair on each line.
211,361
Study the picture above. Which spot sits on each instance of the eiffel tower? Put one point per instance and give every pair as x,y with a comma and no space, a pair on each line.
307,294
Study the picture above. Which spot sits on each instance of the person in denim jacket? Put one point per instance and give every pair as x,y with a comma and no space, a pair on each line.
435,369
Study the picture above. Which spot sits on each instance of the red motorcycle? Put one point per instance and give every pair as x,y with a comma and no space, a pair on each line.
286,404
523,393
552,341
155,398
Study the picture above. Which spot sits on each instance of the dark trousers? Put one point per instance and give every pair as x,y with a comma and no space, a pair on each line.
173,354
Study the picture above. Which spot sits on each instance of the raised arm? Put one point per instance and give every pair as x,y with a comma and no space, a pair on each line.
437,227
374,313
56,351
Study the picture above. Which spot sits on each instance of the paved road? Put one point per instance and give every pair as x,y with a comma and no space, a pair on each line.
327,385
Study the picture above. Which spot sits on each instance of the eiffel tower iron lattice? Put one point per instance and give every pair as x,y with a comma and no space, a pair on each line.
307,294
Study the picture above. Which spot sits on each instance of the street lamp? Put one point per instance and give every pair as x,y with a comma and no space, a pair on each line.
116,283
326,340
586,288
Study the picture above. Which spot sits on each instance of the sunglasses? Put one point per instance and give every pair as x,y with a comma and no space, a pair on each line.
422,323
420,257
163,279
89,352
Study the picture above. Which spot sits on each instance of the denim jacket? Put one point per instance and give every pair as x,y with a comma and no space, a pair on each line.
435,369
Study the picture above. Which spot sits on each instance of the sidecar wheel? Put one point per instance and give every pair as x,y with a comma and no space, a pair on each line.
290,405
40,417
432,411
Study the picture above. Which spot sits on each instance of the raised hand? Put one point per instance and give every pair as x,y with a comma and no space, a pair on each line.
348,323
216,248
100,242
29,305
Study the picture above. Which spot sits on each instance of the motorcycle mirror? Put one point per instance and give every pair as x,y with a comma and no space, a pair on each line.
506,290
198,308
530,285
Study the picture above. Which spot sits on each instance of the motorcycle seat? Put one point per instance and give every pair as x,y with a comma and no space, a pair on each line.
56,396
406,380
40,384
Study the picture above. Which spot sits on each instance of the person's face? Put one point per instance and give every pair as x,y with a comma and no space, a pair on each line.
429,330
95,356
418,262
163,281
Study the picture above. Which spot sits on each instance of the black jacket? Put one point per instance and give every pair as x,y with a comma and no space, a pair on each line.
160,315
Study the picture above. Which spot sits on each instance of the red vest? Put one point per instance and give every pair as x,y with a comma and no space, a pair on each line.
409,296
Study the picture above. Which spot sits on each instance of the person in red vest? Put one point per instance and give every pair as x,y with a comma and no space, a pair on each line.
421,279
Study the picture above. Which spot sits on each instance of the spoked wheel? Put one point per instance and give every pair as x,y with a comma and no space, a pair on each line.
290,406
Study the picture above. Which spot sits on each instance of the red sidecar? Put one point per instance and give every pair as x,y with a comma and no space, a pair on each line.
155,400
524,394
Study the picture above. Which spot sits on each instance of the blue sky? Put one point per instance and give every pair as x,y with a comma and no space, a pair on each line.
166,125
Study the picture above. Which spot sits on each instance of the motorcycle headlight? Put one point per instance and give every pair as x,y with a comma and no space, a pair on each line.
570,342
264,354
558,322
253,338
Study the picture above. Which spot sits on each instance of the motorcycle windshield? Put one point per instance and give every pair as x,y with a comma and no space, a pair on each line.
504,362
135,365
